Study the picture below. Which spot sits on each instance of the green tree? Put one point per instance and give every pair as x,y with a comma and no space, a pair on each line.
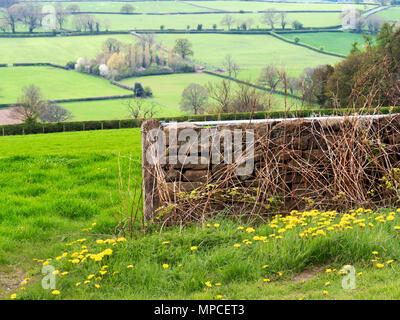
183,48
127,8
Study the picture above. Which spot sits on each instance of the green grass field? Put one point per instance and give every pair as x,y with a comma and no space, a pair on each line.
330,41
251,52
57,50
258,6
132,22
53,187
168,88
392,14
54,83
140,6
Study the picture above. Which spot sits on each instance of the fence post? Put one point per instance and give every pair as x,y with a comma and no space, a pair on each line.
151,200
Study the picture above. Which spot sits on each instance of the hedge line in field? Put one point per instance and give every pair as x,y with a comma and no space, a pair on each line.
172,31
306,46
21,129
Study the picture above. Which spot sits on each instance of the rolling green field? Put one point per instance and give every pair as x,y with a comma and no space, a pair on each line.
168,88
259,5
332,42
132,22
251,52
140,6
392,14
54,83
52,203
58,50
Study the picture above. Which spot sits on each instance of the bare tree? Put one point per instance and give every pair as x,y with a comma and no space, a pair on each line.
270,17
194,98
270,76
138,109
61,15
12,16
54,113
248,99
30,105
283,19
249,23
221,93
31,15
230,66
228,21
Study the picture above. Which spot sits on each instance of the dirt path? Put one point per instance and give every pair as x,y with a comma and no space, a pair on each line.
5,117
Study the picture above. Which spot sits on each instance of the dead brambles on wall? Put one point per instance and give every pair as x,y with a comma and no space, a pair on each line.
339,163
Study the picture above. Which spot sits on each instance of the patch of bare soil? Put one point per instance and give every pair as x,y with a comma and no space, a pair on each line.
10,281
5,117
308,274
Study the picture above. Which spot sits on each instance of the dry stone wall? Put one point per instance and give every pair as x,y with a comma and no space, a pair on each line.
336,163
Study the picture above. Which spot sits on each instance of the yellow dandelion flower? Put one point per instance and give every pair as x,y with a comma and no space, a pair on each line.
13,296
77,284
380,265
216,225
193,248
217,284
55,292
237,245
165,266
266,280
240,228
130,266
218,297
327,283
325,293
97,285
208,284
165,242
90,276
250,230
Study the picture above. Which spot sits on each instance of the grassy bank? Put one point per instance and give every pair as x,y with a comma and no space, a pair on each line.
55,193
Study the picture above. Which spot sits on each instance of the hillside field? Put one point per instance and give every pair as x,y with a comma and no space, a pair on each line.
56,192
337,42
132,22
58,50
54,83
392,14
140,6
251,52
